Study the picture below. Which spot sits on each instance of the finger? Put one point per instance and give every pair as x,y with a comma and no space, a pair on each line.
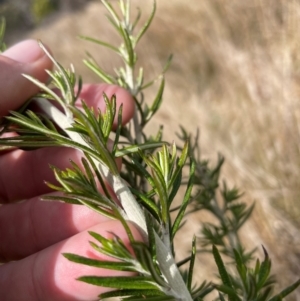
23,174
25,57
40,224
47,275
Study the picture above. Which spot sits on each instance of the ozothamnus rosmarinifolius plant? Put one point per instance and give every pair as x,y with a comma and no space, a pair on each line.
155,174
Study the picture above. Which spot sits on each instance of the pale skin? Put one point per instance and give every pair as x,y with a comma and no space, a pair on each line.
34,233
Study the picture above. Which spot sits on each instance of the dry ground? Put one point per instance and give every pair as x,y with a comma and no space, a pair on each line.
235,75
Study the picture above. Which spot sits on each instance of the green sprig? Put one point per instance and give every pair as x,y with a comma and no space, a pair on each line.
148,187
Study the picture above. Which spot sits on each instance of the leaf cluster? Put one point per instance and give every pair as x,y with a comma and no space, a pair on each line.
248,283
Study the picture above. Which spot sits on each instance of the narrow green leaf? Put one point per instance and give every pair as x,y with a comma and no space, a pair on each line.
137,147
186,200
184,154
245,216
89,173
241,268
2,32
100,72
125,224
98,237
79,88
98,175
113,23
147,203
157,101
133,282
140,78
125,293
161,189
4,148
115,249
68,87
154,298
222,270
201,291
60,198
151,236
263,296
113,13
96,135
99,42
147,261
129,47
111,265
123,9
257,267
27,144
49,124
227,290
32,124
164,162
176,178
140,169
100,204
192,263
165,69
137,18
167,64
147,24
108,116
176,181
96,206
286,291
173,157
118,131
46,89
264,270
183,261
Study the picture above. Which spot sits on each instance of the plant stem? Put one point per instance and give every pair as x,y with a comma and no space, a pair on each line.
132,210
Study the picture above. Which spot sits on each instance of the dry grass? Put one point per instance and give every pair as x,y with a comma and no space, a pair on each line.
242,61
236,75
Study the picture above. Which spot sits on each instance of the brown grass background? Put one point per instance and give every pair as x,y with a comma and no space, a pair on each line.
235,75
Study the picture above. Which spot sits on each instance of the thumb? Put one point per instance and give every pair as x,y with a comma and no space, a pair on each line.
25,57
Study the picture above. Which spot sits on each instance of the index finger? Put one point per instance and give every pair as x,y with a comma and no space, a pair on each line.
23,58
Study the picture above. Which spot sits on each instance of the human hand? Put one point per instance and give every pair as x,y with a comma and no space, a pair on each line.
34,234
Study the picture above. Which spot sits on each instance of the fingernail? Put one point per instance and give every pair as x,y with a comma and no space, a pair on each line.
27,51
